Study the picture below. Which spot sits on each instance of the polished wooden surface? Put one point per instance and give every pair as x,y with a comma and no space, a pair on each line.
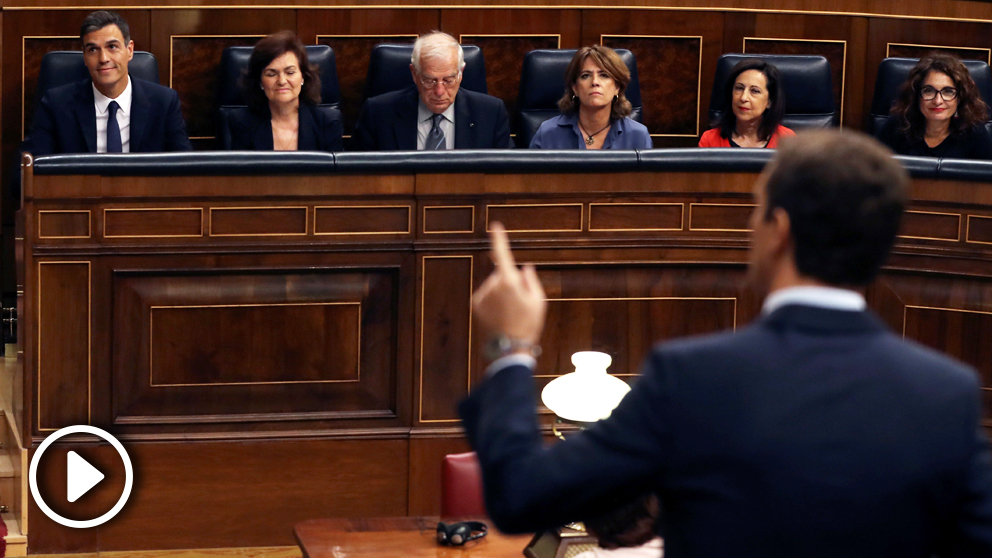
389,537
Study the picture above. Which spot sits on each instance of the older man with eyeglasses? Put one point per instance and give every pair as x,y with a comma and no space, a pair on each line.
434,114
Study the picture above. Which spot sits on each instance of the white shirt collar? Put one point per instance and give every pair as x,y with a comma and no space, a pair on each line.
821,297
424,113
102,102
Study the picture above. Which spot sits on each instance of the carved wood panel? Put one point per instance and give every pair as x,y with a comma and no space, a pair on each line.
624,309
899,50
248,347
942,312
444,332
64,331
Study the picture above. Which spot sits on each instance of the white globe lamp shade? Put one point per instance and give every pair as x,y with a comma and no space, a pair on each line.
587,395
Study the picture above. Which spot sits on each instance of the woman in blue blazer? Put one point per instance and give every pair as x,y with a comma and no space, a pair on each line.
282,90
595,114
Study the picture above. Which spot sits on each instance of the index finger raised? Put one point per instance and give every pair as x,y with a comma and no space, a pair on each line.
502,255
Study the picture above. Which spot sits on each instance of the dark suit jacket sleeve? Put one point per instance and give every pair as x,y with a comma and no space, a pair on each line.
529,486
502,138
41,138
331,130
970,534
175,126
363,139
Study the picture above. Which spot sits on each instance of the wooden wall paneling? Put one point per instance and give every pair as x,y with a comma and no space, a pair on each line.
352,34
427,450
505,36
243,346
64,318
901,37
840,39
979,229
676,60
51,471
230,487
101,353
188,45
44,535
623,309
444,335
945,313
930,225
959,9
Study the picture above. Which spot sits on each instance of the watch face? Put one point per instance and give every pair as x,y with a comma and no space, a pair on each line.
496,347
501,346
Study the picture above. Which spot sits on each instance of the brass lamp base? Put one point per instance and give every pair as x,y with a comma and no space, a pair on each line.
563,542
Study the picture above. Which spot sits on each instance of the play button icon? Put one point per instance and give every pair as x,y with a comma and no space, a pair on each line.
81,476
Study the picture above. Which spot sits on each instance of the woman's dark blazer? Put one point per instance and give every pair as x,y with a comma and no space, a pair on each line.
251,131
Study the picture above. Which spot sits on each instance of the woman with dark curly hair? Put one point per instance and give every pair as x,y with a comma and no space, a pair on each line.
753,105
282,89
938,113
594,112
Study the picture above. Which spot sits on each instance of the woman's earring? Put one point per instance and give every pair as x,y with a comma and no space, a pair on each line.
575,99
616,98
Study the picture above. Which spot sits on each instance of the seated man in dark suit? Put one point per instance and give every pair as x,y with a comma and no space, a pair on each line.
109,112
434,114
812,432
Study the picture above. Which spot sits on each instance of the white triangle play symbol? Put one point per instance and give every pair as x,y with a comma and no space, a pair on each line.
81,476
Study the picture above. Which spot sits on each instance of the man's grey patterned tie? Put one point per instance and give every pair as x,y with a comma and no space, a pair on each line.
435,139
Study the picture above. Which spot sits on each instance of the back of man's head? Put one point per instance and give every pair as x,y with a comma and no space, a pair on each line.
102,18
844,194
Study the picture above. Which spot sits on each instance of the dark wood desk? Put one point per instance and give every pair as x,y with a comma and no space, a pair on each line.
389,537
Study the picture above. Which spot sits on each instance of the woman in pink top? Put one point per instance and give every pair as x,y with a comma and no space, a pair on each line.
752,108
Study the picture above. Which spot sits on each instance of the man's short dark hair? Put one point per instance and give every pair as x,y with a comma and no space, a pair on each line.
630,523
844,194
102,18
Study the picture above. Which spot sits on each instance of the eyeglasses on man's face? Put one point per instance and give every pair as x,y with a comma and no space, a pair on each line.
928,93
448,81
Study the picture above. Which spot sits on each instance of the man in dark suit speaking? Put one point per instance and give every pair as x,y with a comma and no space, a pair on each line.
813,432
434,114
111,112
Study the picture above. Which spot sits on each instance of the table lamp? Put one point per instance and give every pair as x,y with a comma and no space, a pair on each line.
579,398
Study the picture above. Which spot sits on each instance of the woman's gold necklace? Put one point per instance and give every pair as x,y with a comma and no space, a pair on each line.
590,138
